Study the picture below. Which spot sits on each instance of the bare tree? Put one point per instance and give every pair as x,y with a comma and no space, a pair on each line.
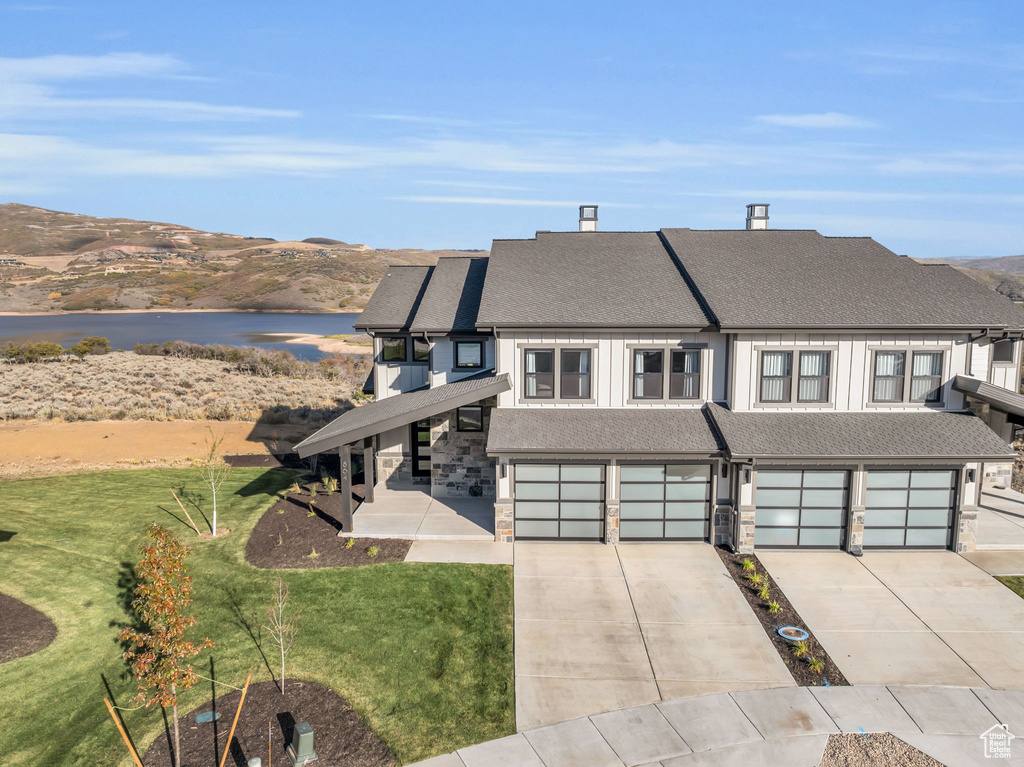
213,470
282,626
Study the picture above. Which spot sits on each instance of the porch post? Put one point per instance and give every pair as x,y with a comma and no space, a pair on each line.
346,488
369,470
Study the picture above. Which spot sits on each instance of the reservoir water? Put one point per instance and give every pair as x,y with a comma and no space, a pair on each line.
230,328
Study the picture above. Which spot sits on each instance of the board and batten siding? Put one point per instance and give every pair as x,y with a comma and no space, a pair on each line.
442,359
852,366
611,365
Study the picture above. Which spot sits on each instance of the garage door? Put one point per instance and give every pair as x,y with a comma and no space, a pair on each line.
797,508
559,501
909,509
668,502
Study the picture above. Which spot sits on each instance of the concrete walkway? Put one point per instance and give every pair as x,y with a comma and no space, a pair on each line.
470,552
600,628
411,514
913,618
788,726
998,562
1001,521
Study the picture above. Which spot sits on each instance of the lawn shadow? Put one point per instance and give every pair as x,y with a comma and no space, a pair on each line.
248,623
271,482
177,518
127,582
194,500
6,535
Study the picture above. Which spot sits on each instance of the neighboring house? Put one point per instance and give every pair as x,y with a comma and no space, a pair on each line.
755,388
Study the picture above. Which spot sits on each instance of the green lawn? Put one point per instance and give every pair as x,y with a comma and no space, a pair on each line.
422,651
1013,582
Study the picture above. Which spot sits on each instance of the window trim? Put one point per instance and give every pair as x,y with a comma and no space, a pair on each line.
794,401
703,383
788,398
557,398
905,401
554,374
458,419
1012,343
634,374
430,349
455,353
800,376
673,375
589,374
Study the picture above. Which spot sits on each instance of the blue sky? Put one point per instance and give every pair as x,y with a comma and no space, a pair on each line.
447,124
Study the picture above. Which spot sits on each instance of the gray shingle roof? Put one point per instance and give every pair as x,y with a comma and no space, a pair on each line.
400,409
854,435
595,279
393,304
600,430
998,397
786,278
452,297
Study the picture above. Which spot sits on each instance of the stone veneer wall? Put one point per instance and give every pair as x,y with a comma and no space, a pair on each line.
998,475
504,520
967,529
745,544
396,469
460,465
721,526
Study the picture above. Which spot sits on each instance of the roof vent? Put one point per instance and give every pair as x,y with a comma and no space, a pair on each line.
588,218
757,215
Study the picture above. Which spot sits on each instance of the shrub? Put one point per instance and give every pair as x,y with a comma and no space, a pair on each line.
748,565
373,551
33,352
91,345
774,607
756,579
801,649
764,592
350,543
816,665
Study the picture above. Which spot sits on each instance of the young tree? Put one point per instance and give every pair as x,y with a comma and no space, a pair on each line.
280,625
213,470
158,657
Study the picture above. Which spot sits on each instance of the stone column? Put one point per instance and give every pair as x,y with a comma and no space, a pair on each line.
721,525
611,523
745,544
855,543
504,520
967,529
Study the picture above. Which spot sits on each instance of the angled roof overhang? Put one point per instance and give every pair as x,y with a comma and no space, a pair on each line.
1001,399
400,409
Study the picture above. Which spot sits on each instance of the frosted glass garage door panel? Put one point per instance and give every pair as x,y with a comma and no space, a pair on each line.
641,510
926,537
686,510
883,537
928,518
779,478
929,498
882,479
677,529
642,473
582,529
652,492
883,498
772,497
822,518
825,479
536,473
538,510
641,529
532,529
826,498
811,537
688,473
932,479
572,492
777,517
529,491
776,536
582,473
572,510
885,517
687,491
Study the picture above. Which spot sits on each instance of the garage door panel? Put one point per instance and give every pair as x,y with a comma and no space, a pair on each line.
685,529
943,479
531,491
639,510
827,498
664,501
909,508
582,473
928,517
689,491
587,530
575,510
641,529
536,473
927,498
822,518
537,509
778,497
829,537
776,536
536,529
559,501
647,473
927,537
642,492
796,508
686,510
688,473
831,479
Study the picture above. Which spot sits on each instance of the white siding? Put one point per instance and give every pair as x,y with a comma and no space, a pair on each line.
395,379
394,440
442,360
979,359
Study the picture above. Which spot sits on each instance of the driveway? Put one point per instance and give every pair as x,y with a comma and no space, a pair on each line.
1001,521
910,618
600,628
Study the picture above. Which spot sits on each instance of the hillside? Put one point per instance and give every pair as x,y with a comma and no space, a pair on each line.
1004,274
54,261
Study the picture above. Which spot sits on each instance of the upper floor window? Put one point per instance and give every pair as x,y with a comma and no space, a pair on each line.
776,376
1003,350
648,373
814,377
891,383
420,350
469,354
393,349
684,376
540,374
574,382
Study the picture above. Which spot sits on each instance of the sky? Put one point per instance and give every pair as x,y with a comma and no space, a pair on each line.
447,124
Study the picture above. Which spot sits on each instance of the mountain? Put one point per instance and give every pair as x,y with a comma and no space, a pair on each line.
54,261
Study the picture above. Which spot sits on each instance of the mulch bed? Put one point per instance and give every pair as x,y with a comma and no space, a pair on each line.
880,749
340,737
286,536
786,617
23,629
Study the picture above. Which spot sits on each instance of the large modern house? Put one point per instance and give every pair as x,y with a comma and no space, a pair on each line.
754,387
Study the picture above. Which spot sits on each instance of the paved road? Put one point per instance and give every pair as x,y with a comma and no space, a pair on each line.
600,628
914,618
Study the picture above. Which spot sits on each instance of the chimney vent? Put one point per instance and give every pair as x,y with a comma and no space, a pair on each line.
588,218
757,215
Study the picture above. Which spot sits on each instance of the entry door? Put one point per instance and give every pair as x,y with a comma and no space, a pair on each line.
421,448
801,509
559,501
909,509
669,502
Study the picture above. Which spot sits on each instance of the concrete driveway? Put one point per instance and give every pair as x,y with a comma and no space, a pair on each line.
600,628
910,618
1001,521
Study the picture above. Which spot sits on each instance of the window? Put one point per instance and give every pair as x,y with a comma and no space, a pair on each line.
889,375
776,376
814,373
540,374
648,373
393,349
926,377
684,376
420,350
575,378
469,354
470,418
1003,350
588,213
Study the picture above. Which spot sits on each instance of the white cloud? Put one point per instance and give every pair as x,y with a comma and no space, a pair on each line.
823,120
61,67
991,163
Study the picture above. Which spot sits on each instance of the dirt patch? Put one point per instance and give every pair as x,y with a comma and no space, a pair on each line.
879,749
786,616
267,721
36,448
288,534
23,629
